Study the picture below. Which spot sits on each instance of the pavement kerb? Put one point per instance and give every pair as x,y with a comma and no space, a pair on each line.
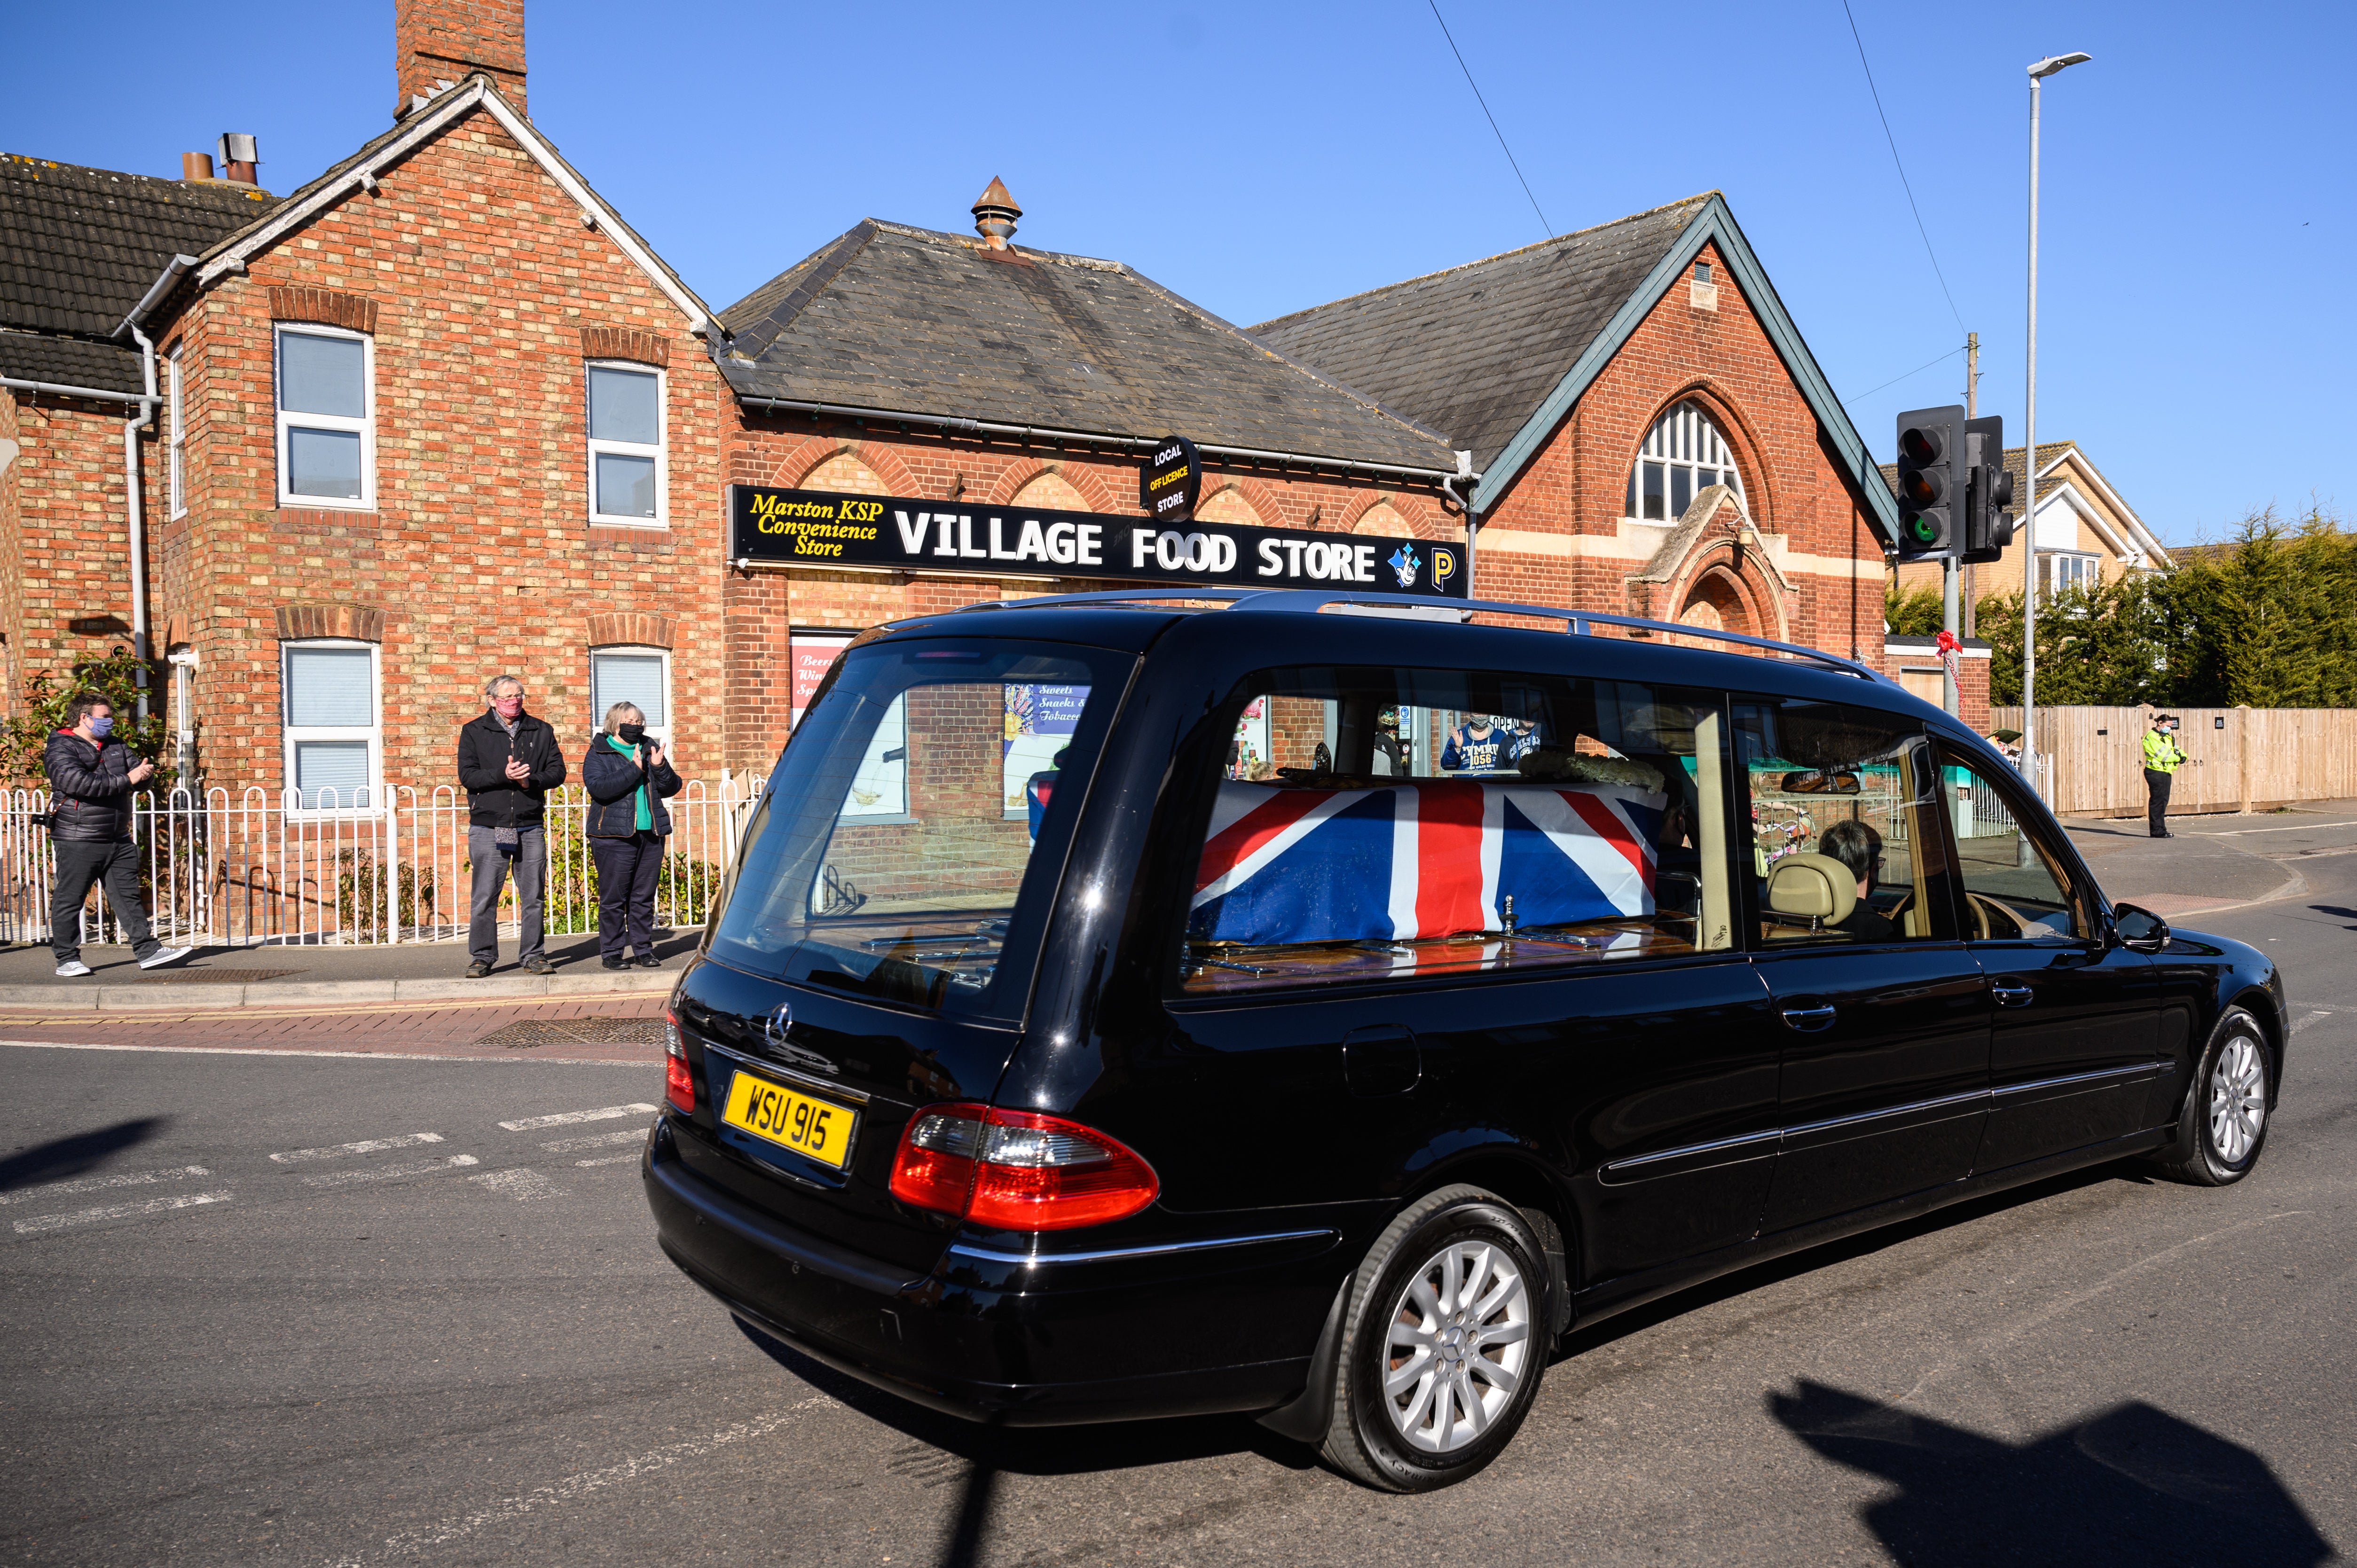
69,997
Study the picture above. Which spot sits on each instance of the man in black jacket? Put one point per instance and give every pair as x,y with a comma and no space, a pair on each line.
91,774
509,761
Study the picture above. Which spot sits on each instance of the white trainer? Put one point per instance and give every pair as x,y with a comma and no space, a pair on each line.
163,956
72,969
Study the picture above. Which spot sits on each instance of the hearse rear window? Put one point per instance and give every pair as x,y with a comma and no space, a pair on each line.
895,846
1374,824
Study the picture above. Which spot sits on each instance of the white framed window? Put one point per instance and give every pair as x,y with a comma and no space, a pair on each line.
627,475
334,736
2065,572
1682,456
175,435
639,675
327,417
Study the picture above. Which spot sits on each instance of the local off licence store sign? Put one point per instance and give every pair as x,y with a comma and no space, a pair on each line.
819,528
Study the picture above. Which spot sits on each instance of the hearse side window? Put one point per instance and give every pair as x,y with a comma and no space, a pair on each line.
897,851
1375,824
2015,884
1843,845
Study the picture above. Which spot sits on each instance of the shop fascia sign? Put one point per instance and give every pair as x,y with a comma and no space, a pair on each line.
896,533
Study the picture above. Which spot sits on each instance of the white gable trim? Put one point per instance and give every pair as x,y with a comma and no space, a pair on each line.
2145,543
439,115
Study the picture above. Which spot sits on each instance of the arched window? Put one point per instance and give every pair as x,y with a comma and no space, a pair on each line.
1683,454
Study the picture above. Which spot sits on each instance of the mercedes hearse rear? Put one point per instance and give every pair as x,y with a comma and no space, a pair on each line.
837,1165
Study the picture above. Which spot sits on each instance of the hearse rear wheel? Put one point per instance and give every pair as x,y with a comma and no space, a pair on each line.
1444,1343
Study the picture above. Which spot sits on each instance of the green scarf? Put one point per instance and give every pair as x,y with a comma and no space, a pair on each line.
646,813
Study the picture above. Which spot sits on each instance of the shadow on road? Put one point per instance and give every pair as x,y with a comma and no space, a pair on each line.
2336,911
2132,1484
63,1158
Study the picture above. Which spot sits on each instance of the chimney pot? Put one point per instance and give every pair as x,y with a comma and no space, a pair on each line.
196,165
994,213
239,155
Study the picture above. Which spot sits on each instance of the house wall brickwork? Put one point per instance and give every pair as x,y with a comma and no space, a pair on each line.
484,294
65,565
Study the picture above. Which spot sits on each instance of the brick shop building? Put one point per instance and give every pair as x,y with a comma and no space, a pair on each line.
440,413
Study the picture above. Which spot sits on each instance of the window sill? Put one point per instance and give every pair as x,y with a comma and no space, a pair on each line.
636,534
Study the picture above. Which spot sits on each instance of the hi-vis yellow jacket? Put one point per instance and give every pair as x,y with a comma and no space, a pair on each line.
2160,752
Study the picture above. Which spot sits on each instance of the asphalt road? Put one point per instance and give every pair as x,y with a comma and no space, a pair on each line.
469,1350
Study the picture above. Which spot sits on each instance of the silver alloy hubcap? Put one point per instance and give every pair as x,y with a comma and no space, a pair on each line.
1460,1335
2238,1100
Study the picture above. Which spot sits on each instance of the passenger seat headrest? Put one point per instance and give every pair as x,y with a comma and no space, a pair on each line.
1816,886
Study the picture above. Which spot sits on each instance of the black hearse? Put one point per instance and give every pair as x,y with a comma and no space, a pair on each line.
1122,1011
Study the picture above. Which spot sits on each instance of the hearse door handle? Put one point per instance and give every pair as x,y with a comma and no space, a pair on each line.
2010,995
1809,1020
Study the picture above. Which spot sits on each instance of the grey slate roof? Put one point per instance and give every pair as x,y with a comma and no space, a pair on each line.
69,361
1472,351
80,246
908,320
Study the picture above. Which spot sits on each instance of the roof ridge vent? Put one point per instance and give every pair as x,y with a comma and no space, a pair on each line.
995,214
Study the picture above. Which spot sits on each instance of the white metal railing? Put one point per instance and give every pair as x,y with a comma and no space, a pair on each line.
238,866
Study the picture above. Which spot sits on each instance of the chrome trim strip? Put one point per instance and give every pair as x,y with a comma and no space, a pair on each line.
1031,1259
1633,1161
2151,1069
1906,1109
738,1060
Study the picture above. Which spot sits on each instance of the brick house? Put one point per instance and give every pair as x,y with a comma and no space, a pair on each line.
439,413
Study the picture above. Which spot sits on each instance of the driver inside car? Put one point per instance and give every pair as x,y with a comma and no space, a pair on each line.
1859,848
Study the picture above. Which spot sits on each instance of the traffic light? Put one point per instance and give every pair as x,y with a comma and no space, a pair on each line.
1988,527
1931,481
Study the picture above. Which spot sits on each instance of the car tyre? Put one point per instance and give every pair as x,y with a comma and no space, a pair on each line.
1444,1341
2222,1125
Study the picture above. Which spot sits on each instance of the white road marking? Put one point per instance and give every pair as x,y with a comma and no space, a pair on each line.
2311,1019
609,1159
95,1183
418,1542
386,1173
567,1117
117,1211
365,1146
332,1056
567,1145
523,1183
2289,828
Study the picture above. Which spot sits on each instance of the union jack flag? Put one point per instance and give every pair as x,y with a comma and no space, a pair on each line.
1427,859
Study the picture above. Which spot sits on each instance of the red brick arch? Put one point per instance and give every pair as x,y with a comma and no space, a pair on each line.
1082,477
787,472
1719,572
1760,487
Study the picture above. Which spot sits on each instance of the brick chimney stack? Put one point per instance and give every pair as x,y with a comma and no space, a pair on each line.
440,41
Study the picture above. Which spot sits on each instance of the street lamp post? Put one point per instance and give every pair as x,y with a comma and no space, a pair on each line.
2038,73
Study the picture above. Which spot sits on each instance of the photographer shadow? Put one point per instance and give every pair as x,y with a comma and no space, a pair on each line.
2133,1484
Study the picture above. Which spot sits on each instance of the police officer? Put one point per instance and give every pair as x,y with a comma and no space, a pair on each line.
2162,758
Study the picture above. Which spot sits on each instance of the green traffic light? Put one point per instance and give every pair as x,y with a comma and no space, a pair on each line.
1924,528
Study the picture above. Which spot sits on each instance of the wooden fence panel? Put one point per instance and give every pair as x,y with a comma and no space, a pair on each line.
2236,759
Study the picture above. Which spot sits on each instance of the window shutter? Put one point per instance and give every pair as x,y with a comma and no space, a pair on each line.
331,686
628,678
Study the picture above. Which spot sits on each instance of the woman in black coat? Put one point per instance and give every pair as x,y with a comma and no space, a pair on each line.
629,781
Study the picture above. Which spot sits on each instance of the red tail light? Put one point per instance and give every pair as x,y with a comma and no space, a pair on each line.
1017,1170
679,1087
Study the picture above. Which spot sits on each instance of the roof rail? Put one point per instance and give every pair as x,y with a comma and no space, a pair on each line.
1577,623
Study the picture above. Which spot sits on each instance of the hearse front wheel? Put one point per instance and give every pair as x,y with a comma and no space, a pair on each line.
2222,1126
1444,1343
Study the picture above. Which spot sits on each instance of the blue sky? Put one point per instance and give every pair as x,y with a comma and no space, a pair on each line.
2195,324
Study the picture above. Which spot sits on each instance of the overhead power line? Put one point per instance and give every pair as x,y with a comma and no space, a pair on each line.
1904,183
1895,379
1492,118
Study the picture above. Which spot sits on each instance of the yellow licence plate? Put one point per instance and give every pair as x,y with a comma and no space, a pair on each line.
814,1128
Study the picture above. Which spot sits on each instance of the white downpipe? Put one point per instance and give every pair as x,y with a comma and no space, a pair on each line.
131,483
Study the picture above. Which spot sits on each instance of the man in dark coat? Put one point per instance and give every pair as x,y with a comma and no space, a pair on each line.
91,774
509,761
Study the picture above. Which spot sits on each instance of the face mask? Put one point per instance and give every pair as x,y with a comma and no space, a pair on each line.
632,734
103,727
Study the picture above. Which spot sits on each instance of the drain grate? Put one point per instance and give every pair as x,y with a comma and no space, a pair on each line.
592,1031
214,976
